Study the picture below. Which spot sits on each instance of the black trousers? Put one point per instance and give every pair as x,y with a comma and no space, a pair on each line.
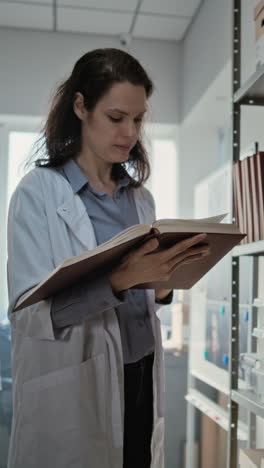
138,413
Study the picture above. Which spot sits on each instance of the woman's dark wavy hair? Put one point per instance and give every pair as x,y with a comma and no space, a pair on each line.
93,75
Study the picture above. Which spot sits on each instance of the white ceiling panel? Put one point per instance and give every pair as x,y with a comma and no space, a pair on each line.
48,2
158,27
121,5
170,7
91,21
25,16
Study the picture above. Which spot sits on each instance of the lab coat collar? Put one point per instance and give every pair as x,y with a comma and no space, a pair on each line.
74,214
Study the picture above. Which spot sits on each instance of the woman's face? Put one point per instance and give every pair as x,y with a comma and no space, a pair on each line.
111,130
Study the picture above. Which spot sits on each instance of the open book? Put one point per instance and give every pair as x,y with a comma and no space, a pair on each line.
220,237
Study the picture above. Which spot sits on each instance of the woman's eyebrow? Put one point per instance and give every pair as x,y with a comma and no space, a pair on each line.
123,112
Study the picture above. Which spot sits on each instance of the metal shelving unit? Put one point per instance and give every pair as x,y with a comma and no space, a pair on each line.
251,93
255,249
214,412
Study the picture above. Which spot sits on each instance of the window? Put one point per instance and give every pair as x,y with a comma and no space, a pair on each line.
164,177
20,146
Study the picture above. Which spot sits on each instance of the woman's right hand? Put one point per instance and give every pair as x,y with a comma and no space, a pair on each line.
142,266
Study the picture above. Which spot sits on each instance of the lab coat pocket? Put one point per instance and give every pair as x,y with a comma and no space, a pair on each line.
63,417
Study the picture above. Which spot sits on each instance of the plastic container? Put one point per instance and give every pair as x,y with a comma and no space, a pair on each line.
248,362
257,378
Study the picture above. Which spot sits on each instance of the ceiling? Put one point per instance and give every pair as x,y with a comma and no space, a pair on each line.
152,19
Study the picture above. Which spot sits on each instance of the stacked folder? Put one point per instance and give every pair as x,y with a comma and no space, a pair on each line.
248,176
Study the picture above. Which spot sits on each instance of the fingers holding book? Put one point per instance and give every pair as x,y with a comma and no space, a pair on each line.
185,252
189,256
183,246
146,264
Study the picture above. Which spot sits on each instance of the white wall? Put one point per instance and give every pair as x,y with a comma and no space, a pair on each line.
206,50
207,93
198,157
32,63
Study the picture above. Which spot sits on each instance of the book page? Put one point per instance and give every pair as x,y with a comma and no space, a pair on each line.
212,225
212,219
128,234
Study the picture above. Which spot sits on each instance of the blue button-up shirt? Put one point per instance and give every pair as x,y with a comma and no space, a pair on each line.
109,216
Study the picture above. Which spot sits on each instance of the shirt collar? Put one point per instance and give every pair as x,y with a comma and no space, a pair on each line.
78,179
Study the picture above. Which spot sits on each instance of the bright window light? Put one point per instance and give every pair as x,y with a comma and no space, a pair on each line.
164,178
20,146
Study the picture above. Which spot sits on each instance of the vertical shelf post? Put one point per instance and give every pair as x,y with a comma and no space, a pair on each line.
234,315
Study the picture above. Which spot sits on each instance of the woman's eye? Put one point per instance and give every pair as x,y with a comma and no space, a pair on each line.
115,119
119,119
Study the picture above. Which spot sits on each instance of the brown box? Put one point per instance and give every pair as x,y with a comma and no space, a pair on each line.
251,458
209,433
183,296
195,455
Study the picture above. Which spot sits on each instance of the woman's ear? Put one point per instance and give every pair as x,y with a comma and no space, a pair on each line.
78,106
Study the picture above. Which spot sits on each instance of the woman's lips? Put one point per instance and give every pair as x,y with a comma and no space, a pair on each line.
122,148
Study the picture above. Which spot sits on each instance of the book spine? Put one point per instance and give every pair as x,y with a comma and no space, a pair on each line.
154,230
244,201
235,207
248,194
255,202
238,195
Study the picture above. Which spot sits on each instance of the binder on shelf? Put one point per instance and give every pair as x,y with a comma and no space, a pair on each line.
255,199
248,178
244,200
238,202
249,202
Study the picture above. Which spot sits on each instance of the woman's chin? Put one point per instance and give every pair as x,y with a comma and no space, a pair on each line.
121,158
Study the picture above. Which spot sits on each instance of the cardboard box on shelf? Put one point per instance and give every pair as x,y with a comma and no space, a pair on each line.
195,449
259,22
251,458
183,295
209,436
180,326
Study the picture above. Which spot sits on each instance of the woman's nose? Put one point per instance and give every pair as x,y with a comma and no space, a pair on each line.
130,129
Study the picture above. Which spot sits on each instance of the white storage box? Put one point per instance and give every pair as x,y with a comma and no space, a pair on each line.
257,379
248,362
258,333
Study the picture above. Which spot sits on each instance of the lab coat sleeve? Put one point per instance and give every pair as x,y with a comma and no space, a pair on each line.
30,258
166,300
83,300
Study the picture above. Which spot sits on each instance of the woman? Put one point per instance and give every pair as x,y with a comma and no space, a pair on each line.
87,362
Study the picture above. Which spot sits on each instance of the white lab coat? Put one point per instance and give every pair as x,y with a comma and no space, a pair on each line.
68,396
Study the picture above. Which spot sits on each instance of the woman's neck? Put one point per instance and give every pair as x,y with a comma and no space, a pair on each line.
99,174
